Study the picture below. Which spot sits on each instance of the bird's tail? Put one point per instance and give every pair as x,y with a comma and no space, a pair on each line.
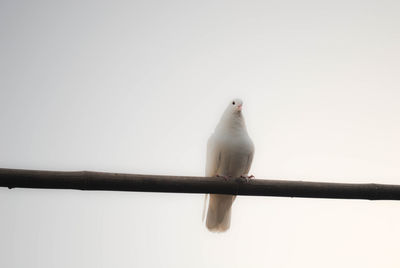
219,212
204,207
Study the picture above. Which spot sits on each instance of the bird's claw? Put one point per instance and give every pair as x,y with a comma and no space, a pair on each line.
223,177
246,178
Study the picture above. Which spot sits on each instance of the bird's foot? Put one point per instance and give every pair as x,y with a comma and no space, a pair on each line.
246,178
226,178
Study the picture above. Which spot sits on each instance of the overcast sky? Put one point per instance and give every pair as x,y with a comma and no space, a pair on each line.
138,87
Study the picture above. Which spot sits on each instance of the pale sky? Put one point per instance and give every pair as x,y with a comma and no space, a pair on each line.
138,87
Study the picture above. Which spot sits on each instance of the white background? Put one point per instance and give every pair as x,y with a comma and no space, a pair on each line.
138,86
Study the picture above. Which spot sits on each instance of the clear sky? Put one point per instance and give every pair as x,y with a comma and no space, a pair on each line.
138,87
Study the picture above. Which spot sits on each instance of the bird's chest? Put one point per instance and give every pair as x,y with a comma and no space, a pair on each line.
234,156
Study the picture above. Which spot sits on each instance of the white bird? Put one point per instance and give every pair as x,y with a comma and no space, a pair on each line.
229,155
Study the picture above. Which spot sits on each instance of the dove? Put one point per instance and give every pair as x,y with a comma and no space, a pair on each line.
229,155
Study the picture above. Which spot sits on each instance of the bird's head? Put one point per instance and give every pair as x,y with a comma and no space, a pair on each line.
235,106
232,117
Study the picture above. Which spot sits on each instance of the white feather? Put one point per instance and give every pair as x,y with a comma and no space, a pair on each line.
229,153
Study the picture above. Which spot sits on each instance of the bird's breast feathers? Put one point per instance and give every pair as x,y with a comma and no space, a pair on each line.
236,144
235,155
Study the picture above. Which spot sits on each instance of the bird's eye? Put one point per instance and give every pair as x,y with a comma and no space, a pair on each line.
233,103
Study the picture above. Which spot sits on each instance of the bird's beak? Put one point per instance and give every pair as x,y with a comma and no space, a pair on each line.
240,108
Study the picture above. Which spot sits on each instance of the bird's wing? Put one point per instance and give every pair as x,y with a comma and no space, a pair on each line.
213,157
212,164
249,159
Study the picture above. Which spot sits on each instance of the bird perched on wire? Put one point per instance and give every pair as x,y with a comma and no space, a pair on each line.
229,155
